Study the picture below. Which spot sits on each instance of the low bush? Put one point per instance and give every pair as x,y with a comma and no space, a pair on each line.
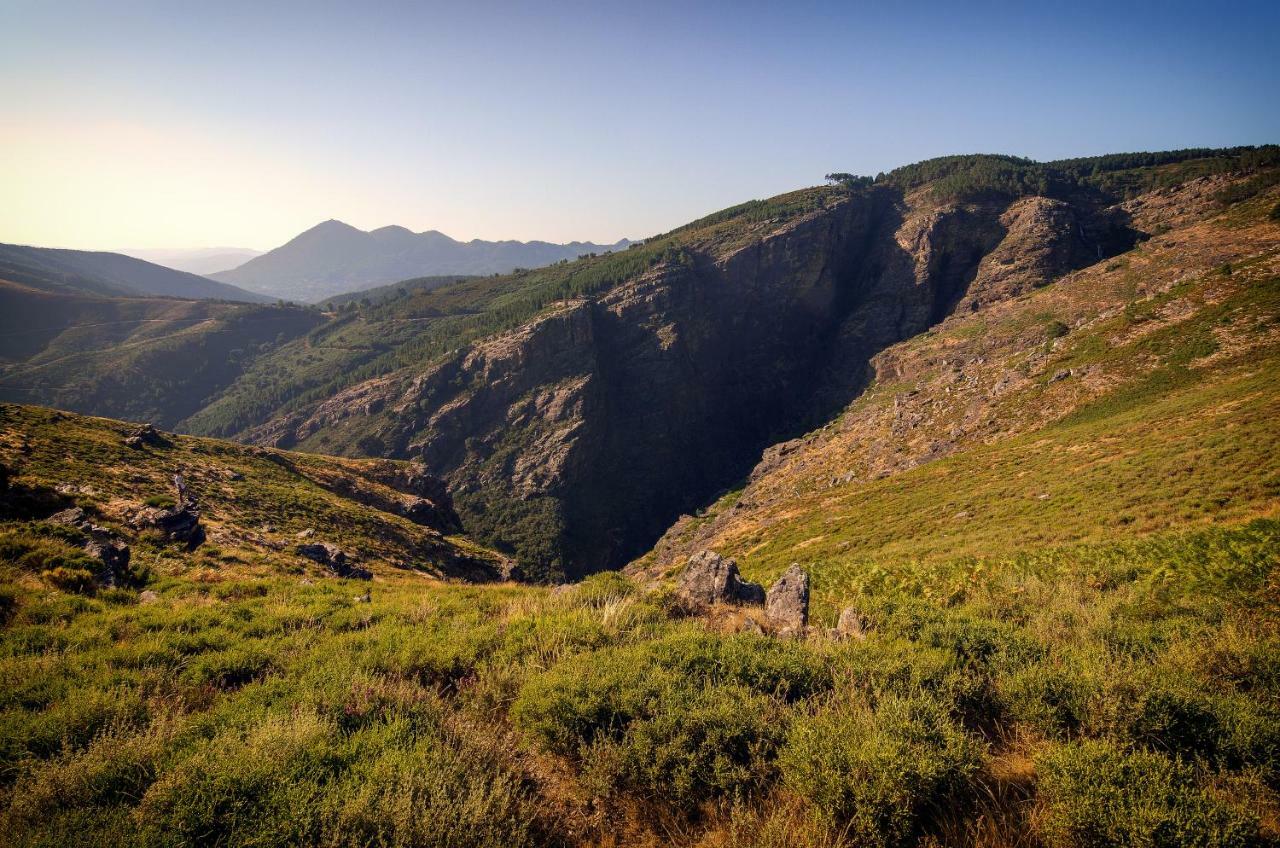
1097,794
881,775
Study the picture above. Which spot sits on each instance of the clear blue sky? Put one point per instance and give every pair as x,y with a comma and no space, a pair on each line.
176,125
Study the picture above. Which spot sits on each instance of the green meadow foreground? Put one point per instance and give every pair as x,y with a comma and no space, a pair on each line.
1110,693
1056,514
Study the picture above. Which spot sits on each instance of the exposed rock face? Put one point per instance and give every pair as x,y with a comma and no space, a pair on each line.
787,601
711,579
581,435
335,559
101,544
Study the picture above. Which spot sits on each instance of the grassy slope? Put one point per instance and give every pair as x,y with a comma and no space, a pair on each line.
252,521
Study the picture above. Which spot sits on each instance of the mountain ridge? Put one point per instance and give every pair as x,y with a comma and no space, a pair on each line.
110,274
334,258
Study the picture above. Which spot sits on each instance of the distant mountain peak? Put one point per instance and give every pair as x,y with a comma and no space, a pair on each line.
335,258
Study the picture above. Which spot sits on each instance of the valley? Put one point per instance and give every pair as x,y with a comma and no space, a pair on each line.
939,508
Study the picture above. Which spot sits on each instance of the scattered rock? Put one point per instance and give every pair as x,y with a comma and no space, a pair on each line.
335,559
852,625
787,602
709,578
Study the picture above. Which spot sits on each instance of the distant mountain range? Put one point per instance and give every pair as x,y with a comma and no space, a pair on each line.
336,258
108,274
199,260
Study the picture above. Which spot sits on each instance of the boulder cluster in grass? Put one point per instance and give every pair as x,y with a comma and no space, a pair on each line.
710,579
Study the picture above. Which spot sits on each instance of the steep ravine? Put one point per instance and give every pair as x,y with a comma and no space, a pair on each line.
579,437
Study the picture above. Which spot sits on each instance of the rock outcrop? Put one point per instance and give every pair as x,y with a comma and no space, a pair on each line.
100,543
710,579
333,558
787,601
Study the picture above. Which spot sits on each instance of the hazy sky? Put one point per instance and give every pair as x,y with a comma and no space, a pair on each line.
184,125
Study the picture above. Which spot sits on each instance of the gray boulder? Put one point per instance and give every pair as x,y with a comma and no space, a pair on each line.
852,625
787,601
709,578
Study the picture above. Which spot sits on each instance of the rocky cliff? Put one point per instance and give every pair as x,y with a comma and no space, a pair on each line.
577,437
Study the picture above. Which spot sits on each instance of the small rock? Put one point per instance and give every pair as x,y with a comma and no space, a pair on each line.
852,625
750,625
307,534
1061,375
134,442
787,602
148,597
366,598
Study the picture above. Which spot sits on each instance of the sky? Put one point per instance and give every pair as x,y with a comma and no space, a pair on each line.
173,125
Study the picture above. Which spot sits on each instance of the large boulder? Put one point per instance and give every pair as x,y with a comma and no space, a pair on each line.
711,579
787,601
178,523
335,559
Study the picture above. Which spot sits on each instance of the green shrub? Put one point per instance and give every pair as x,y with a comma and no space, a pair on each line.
693,744
689,716
78,580
880,775
1096,794
604,588
1052,697
160,501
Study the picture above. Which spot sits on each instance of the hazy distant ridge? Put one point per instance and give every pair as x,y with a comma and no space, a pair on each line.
333,258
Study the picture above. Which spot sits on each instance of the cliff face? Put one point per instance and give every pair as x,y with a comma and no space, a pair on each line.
1047,415
579,437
